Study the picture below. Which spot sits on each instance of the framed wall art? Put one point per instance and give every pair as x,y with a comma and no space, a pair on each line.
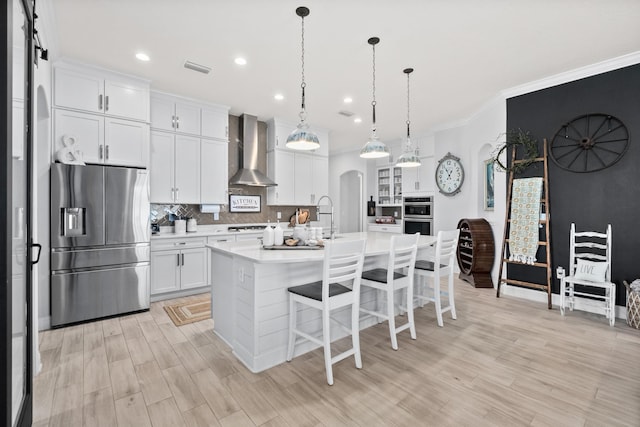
489,201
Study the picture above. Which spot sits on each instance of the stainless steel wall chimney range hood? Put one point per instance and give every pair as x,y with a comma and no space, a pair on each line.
248,173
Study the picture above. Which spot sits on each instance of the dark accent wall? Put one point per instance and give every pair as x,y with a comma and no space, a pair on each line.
590,200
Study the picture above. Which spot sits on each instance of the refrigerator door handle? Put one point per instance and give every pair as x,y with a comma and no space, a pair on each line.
39,246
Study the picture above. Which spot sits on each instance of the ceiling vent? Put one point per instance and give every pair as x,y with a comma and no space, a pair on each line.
197,67
345,113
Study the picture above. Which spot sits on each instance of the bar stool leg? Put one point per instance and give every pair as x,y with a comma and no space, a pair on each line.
355,334
292,326
392,319
452,301
412,324
326,332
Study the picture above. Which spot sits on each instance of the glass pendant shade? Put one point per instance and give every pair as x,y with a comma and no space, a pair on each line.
408,159
374,148
302,138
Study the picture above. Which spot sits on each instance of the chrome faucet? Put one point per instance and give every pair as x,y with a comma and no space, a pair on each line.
332,235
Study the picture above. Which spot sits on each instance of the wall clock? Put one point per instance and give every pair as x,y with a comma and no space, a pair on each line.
449,175
589,143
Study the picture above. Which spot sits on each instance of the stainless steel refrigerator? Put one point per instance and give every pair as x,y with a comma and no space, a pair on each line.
100,242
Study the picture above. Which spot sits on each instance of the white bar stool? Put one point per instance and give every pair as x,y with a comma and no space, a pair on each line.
343,263
402,257
443,264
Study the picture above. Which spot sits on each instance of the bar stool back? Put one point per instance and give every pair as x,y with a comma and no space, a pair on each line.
339,287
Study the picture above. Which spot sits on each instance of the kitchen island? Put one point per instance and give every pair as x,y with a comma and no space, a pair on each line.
250,301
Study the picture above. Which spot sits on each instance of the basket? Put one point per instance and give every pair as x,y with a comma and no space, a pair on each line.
633,307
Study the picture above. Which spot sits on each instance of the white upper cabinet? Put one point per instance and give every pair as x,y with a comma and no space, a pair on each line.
175,168
102,140
214,171
281,169
173,114
215,122
100,91
422,178
126,142
100,115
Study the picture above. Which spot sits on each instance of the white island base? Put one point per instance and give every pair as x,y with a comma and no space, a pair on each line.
250,301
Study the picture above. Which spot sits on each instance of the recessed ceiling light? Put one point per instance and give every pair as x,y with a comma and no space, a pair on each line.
348,100
278,97
240,61
357,120
142,56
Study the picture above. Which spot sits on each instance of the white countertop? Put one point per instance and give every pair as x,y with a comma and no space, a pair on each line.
377,244
166,232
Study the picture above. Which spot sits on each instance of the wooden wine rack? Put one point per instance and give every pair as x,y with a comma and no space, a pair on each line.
476,252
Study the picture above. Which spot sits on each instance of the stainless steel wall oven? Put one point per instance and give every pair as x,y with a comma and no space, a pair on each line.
418,215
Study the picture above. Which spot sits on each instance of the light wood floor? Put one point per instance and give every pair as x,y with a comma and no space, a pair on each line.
504,362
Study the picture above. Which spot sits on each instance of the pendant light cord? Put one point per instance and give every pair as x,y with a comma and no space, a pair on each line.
408,110
303,84
373,102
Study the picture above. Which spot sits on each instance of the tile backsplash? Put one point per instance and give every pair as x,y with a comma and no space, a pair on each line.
267,213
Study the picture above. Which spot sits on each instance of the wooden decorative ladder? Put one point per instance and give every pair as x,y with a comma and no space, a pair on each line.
547,238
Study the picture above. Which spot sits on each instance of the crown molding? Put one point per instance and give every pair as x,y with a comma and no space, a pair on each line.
573,75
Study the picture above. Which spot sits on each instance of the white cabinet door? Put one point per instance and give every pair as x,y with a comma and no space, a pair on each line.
320,177
126,142
126,100
162,113
194,268
165,271
281,168
303,179
86,129
161,167
187,169
187,118
73,89
215,123
214,171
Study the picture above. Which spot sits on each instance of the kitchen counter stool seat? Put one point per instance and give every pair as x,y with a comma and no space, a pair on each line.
446,246
402,258
342,265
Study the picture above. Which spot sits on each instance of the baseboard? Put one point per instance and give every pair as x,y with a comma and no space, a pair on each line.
583,304
180,293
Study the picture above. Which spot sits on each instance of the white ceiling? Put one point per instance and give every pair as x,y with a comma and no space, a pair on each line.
463,52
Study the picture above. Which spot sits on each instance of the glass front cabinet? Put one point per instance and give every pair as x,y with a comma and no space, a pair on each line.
389,182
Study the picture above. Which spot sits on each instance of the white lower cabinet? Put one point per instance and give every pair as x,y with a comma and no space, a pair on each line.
178,264
386,228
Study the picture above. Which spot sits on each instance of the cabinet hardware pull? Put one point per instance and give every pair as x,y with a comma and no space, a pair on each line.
173,194
106,152
106,103
99,102
173,122
177,122
178,255
226,131
182,259
177,194
100,152
180,243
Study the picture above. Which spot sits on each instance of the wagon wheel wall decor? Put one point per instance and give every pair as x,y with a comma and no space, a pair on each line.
589,143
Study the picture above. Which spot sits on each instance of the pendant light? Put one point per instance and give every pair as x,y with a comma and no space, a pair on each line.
408,159
302,138
374,148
